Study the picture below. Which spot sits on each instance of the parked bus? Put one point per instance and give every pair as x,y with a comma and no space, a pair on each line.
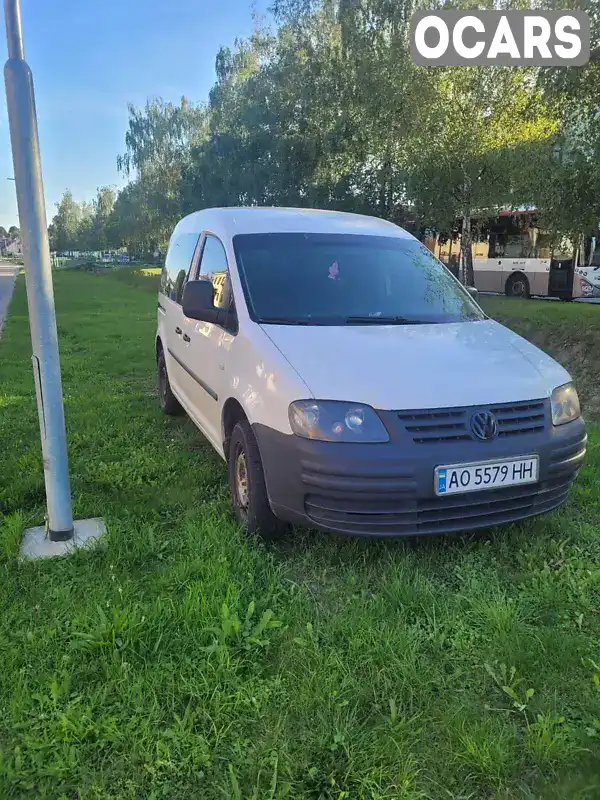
512,255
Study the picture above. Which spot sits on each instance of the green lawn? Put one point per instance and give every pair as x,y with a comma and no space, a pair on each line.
569,331
182,661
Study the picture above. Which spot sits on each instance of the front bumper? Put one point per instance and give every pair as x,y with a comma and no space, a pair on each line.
387,489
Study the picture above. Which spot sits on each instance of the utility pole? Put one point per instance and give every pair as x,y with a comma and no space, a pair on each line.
38,274
40,295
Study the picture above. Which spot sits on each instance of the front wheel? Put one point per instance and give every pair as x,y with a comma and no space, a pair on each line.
247,486
517,286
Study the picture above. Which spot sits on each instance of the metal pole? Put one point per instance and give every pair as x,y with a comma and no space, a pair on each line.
38,272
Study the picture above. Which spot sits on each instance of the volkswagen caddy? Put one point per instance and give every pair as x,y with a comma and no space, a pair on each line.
351,383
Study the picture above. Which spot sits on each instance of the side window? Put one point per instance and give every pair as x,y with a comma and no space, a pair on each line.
214,267
177,263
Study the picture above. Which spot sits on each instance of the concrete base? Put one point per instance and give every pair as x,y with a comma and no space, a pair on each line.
36,542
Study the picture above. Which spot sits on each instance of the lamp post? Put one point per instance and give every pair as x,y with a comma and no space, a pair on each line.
40,297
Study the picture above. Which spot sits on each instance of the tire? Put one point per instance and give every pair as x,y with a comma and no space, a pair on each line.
247,486
517,286
169,404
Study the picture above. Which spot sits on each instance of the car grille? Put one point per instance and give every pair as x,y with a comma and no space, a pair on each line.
453,424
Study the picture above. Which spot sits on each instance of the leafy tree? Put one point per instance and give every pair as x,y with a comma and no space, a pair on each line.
576,88
13,232
85,225
327,109
66,222
564,177
561,178
158,146
469,155
3,232
101,212
316,114
131,222
84,239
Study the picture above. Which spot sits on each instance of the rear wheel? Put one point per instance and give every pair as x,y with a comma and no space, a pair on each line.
169,404
247,485
517,286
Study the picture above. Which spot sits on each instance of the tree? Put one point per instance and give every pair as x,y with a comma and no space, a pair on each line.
564,177
85,225
576,87
561,178
316,114
65,224
327,109
469,155
132,222
158,143
3,232
13,233
102,208
84,238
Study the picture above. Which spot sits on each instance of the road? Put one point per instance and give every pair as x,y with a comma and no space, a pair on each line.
8,273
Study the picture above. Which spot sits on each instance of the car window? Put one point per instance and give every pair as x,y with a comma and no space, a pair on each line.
177,264
213,266
342,279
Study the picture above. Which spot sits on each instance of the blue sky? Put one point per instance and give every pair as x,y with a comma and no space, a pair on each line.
89,58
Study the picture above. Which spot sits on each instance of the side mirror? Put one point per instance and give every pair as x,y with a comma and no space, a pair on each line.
473,292
198,303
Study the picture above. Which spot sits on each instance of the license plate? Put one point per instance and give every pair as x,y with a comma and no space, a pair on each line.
480,475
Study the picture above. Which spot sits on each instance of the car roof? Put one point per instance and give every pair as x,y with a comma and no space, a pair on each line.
228,222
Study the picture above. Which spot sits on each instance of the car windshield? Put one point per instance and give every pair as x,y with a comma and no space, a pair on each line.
345,279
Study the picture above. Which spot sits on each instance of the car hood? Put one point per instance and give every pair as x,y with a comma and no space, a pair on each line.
418,366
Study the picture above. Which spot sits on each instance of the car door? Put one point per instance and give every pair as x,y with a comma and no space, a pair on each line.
206,345
181,256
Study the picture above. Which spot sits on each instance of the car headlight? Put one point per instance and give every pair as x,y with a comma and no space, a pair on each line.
565,404
334,421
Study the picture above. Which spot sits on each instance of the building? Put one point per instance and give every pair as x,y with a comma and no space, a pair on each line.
11,247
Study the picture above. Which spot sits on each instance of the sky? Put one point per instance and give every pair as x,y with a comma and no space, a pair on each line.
89,58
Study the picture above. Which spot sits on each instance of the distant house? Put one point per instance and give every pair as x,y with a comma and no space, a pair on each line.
15,248
11,247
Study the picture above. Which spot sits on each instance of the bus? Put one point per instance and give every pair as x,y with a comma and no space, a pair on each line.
513,256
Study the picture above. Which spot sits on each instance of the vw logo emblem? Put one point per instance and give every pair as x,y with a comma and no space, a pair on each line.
484,425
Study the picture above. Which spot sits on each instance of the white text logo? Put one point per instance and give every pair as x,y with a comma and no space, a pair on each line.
496,38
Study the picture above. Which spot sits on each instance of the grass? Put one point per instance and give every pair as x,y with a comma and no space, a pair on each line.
183,661
569,331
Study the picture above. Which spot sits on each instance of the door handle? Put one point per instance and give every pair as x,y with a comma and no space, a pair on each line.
186,338
178,331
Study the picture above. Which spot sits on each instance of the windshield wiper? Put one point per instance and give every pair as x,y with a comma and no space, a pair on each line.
283,321
386,321
347,321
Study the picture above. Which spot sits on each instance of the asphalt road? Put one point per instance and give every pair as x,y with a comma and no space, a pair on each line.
7,282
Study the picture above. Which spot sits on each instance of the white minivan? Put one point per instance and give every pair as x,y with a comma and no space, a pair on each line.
351,383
